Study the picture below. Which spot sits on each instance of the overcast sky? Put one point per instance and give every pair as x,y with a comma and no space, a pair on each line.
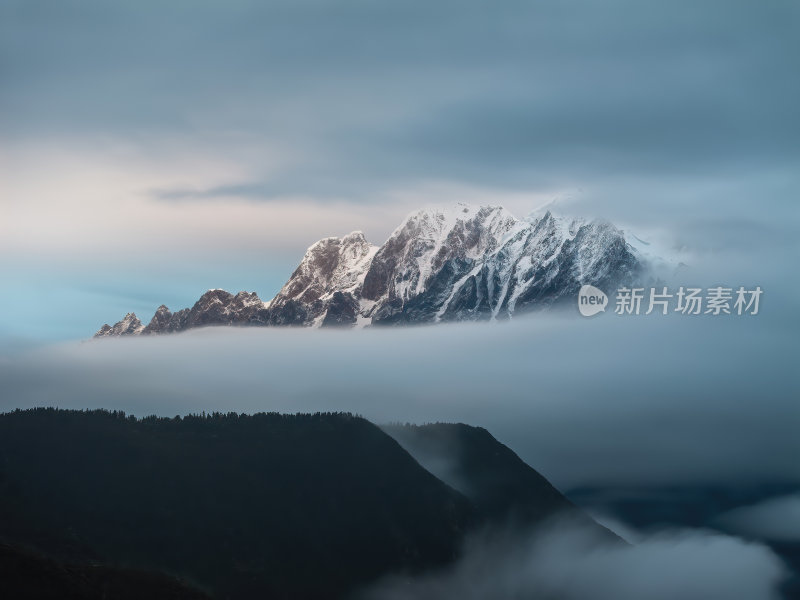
152,150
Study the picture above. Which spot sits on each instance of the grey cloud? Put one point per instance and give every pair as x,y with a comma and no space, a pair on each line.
513,94
606,401
775,519
318,189
240,190
564,561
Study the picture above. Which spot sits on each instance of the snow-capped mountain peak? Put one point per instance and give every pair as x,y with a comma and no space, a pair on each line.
427,240
456,263
328,266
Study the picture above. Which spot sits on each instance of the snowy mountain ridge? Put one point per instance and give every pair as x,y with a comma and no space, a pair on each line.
460,263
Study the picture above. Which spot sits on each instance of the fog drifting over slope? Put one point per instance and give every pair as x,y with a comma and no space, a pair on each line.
776,519
565,561
612,399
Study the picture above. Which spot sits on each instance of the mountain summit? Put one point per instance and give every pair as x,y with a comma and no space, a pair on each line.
464,263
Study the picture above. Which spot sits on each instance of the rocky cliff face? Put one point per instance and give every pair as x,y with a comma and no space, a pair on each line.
326,286
215,307
129,325
466,263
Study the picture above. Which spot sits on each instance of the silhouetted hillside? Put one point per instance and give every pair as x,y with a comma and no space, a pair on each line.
259,506
268,505
28,576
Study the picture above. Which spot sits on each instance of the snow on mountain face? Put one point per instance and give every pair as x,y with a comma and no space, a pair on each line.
466,263
330,275
428,241
490,264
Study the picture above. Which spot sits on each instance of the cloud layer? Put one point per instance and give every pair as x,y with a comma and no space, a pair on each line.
776,519
564,561
606,400
355,96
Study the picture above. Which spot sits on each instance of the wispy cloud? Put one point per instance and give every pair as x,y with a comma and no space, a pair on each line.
775,519
564,560
254,190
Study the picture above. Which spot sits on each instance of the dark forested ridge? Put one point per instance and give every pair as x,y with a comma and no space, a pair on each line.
25,575
244,506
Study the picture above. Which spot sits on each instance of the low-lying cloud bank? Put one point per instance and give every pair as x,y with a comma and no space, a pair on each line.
775,519
567,562
608,400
